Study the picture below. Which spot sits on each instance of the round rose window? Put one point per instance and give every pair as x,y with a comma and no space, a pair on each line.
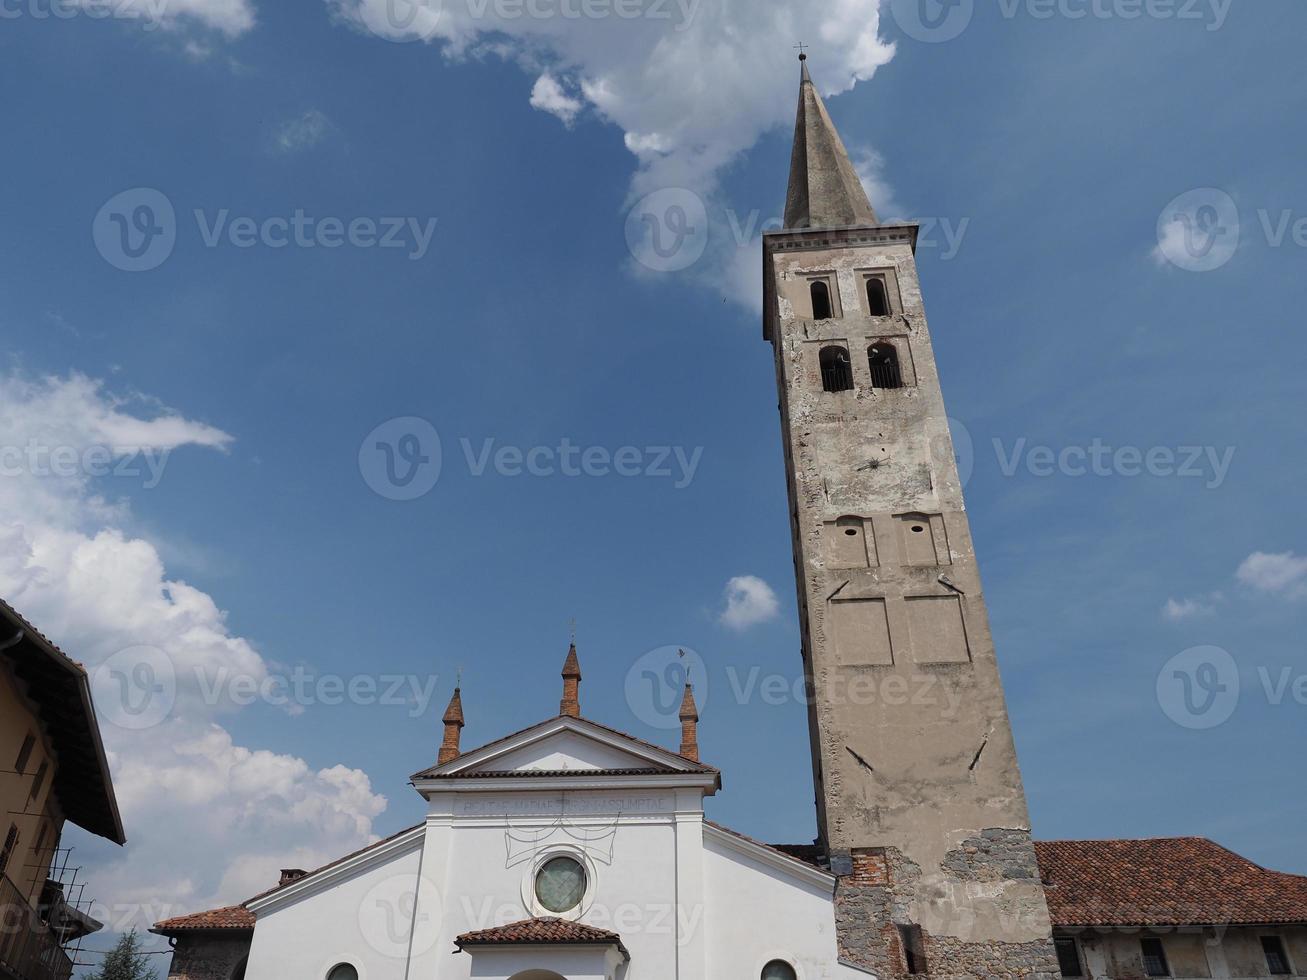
560,884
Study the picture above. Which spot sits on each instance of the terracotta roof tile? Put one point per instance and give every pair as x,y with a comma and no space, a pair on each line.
231,917
544,931
1168,881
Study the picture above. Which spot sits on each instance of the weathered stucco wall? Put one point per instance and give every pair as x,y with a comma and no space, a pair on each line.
913,750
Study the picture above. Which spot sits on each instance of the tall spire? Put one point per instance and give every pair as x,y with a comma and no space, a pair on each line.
453,729
571,703
824,191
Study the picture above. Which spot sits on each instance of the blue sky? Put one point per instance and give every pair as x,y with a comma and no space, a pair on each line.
1041,150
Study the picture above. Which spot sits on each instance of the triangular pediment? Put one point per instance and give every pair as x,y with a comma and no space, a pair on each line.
565,745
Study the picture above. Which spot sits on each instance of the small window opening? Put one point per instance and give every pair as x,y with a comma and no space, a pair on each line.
851,532
836,371
1276,960
1068,956
343,971
884,361
39,781
1155,964
914,948
11,844
778,970
25,754
917,529
877,298
821,308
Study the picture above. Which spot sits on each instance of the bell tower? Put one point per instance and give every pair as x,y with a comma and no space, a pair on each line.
919,798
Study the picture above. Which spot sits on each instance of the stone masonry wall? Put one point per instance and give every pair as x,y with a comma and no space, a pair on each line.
208,956
881,886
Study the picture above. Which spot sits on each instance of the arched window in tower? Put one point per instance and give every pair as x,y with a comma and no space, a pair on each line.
836,371
821,308
877,297
883,359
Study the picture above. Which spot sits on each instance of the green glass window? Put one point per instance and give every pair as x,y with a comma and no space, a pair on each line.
560,884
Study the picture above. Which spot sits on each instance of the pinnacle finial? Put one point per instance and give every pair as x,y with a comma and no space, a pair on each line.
571,703
453,721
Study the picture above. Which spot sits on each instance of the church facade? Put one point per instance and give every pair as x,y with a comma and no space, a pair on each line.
572,850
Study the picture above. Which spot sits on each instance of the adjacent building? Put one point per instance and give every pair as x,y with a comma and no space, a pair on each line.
52,770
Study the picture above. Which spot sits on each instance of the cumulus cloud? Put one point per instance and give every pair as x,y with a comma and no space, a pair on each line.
302,132
1177,610
228,17
749,602
548,95
692,85
71,453
1283,574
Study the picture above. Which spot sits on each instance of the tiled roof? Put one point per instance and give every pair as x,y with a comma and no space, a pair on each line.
1168,881
231,917
544,931
527,773
692,765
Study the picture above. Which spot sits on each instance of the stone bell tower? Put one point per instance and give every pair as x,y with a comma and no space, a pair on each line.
919,799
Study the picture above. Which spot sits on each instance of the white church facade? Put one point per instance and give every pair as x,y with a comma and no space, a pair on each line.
568,849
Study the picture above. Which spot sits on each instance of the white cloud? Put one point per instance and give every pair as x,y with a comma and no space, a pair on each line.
691,88
68,562
1192,607
302,132
749,601
548,95
229,17
1281,574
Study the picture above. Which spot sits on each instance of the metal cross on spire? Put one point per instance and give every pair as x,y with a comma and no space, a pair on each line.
801,48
